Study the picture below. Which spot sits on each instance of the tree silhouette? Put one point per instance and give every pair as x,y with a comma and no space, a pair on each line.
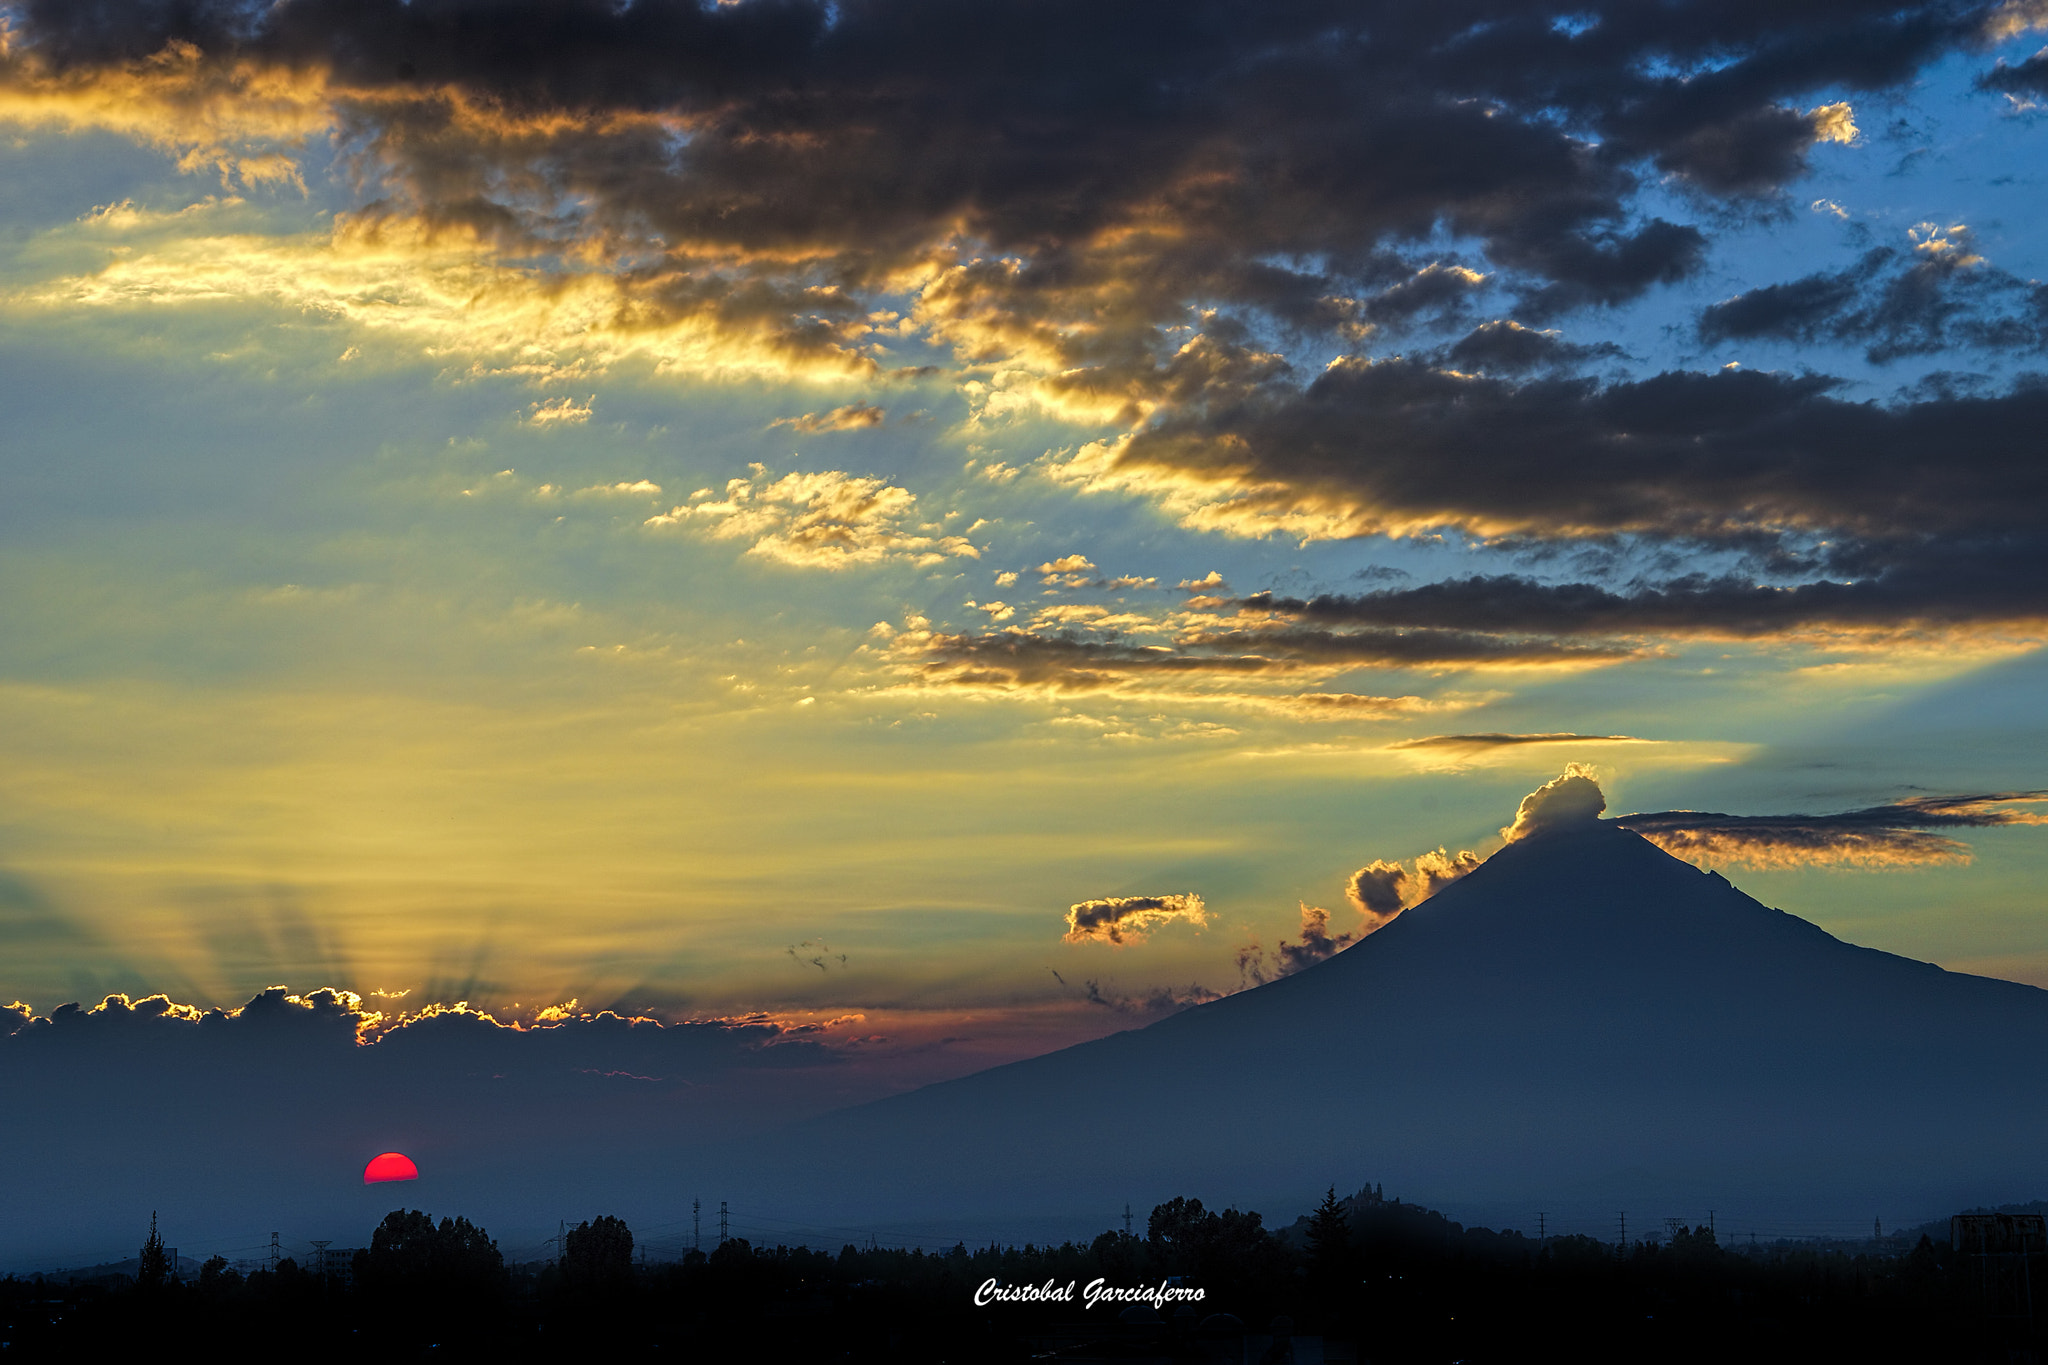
153,1270
1187,1239
1329,1237
455,1257
599,1253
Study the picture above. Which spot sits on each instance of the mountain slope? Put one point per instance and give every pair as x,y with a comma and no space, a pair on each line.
1583,1017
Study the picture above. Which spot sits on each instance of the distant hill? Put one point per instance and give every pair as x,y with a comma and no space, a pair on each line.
1583,1019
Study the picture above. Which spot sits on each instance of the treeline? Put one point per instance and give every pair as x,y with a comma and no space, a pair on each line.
1391,1282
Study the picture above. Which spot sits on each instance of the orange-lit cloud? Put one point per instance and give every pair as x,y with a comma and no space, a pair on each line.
1896,834
852,417
828,520
1382,889
1122,919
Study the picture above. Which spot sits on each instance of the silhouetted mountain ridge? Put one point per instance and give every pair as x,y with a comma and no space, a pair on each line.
1583,1017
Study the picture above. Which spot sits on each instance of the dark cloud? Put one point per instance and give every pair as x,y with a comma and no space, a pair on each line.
1564,802
1025,659
1382,889
1141,204
1507,347
809,151
342,1028
1316,941
1397,648
1121,919
1497,740
1395,444
1890,587
1161,1001
2029,77
1937,297
1897,833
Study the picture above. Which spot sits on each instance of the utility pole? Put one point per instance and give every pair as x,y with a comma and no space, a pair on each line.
1710,1222
1127,1222
724,1231
1624,1234
273,1251
1541,1235
696,1225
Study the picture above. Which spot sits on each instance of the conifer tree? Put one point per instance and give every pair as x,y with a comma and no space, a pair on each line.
1329,1236
154,1270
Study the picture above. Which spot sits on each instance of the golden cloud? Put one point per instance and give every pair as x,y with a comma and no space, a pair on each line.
828,520
1122,919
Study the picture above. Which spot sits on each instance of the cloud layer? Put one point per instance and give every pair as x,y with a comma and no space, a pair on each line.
1896,834
1302,259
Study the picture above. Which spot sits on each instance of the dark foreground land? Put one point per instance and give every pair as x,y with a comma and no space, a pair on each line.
1359,1280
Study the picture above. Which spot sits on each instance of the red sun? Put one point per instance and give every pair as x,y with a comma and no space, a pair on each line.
390,1166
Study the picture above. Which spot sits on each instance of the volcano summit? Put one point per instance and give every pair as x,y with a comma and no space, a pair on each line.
1583,1019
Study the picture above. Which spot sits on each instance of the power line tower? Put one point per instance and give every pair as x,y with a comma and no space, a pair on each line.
724,1230
1624,1234
273,1251
1542,1235
1127,1222
696,1225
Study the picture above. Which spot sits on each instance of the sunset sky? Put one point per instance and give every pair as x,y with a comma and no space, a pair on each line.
771,508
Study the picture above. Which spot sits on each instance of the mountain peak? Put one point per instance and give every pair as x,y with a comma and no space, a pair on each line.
1583,1016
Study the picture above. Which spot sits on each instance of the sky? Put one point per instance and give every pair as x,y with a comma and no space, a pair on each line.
929,533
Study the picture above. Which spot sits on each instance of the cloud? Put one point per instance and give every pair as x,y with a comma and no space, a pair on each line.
1895,834
1356,706
829,520
1117,919
1399,648
1507,347
1316,942
1565,802
336,1024
1383,889
1893,587
1163,1000
1483,742
813,180
560,412
278,1102
852,417
816,953
801,189
1938,295
1073,661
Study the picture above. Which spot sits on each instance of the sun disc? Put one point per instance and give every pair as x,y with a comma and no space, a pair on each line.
390,1166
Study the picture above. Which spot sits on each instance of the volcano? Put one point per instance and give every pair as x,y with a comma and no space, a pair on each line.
1583,1020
